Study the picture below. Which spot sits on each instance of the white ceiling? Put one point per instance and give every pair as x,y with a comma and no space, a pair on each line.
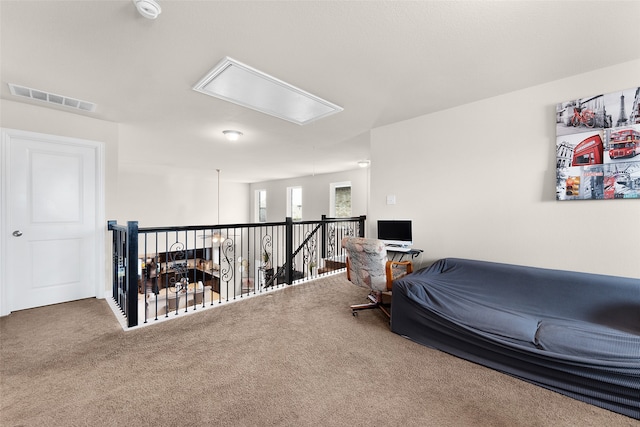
382,61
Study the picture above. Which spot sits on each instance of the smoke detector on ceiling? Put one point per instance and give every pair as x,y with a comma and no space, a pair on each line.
150,9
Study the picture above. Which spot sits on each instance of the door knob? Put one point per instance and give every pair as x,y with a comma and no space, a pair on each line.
17,233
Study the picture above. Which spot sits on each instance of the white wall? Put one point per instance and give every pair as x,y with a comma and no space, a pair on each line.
315,194
176,196
174,192
479,182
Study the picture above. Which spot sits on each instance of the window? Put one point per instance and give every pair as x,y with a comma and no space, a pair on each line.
261,205
340,199
294,203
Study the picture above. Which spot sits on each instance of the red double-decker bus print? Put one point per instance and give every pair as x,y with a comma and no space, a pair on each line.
624,143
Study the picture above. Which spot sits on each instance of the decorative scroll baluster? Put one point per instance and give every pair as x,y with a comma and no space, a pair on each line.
266,255
227,265
309,253
179,281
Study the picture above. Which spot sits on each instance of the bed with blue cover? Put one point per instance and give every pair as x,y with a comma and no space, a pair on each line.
575,333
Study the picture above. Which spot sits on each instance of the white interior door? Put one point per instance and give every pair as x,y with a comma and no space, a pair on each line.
51,228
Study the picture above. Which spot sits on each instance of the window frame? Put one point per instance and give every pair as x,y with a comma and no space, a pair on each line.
332,197
259,207
290,201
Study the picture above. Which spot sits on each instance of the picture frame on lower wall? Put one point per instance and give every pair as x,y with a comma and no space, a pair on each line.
598,147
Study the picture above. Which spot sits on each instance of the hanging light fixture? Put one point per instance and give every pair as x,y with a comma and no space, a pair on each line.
216,238
363,163
232,135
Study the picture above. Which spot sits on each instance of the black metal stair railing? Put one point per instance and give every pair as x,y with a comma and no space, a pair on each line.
168,270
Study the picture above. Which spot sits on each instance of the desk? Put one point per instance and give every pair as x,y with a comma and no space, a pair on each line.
414,253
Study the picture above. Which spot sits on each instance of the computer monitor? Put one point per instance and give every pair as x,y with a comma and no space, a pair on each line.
395,232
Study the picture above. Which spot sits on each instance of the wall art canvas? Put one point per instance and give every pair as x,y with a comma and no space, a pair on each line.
598,147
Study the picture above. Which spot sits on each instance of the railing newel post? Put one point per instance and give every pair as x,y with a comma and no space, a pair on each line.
288,273
132,273
323,238
114,261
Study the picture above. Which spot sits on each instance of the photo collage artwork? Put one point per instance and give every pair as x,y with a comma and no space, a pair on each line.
598,147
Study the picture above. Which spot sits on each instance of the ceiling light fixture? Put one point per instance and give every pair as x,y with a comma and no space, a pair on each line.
235,82
150,9
232,135
364,163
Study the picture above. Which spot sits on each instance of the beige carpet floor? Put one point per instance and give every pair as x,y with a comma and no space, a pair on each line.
293,357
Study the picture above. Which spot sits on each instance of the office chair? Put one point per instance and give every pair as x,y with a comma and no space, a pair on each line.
369,267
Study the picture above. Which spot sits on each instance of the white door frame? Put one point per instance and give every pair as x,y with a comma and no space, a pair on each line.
5,232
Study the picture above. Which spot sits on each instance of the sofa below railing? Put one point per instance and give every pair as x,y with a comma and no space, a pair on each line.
160,271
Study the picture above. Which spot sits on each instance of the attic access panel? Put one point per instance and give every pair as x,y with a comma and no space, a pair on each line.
240,84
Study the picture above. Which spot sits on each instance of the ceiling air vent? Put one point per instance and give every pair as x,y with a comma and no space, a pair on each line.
235,82
52,98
